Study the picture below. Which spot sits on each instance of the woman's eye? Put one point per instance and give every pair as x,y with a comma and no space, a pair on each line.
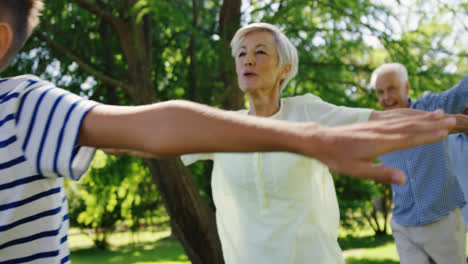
242,54
260,52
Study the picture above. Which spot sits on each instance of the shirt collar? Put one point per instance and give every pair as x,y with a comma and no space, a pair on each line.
410,102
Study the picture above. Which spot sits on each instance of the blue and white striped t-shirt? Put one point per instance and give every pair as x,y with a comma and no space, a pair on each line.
39,126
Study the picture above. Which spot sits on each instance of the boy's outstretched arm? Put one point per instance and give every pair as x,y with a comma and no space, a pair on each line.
181,127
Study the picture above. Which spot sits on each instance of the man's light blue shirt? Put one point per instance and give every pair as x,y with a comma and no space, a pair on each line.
431,190
458,147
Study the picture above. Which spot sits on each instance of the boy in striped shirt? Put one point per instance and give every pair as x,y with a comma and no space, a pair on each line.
47,133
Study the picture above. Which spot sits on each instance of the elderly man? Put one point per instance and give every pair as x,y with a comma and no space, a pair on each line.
427,223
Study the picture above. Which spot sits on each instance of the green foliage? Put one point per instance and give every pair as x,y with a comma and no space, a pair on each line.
116,191
339,42
363,204
355,200
201,172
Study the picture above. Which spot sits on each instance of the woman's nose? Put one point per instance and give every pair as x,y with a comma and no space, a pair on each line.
385,95
250,59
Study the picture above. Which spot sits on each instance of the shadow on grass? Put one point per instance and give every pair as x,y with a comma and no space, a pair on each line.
167,250
351,242
370,261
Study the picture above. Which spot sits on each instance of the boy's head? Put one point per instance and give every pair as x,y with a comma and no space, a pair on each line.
18,18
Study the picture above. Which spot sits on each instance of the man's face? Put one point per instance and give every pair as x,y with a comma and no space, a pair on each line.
391,92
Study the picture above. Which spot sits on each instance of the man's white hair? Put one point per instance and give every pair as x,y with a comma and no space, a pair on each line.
287,52
397,68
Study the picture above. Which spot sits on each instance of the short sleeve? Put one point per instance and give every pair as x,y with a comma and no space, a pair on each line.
192,158
48,122
331,115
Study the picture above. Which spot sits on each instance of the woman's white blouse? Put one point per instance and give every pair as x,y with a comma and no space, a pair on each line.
279,207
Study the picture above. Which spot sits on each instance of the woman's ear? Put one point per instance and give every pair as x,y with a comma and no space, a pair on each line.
6,38
285,71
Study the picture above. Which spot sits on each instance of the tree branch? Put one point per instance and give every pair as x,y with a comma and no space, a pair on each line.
108,65
83,64
352,67
92,8
324,80
221,98
119,26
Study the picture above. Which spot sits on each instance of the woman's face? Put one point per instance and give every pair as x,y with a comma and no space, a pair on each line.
257,64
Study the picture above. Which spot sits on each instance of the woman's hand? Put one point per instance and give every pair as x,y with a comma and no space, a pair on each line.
130,152
350,149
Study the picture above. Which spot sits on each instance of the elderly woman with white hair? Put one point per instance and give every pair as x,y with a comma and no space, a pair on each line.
276,207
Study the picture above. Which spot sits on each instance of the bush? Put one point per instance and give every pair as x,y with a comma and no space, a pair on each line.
115,192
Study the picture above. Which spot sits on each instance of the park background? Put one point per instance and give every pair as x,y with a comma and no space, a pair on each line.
129,52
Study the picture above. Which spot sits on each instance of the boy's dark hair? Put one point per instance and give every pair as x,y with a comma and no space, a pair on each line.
23,17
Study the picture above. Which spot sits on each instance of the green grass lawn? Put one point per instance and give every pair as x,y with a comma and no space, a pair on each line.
154,246
369,249
364,248
146,247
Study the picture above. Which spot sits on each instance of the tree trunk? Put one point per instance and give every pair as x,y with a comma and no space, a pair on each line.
192,50
229,23
192,221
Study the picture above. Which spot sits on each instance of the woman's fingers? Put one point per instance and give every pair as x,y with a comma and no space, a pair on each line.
355,146
377,172
423,132
111,151
130,152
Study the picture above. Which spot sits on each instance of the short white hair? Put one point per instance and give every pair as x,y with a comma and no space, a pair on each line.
397,68
287,52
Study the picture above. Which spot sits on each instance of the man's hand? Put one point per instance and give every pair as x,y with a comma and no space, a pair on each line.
350,149
462,122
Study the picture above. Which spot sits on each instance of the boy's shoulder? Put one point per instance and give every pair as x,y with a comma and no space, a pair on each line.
20,78
26,81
